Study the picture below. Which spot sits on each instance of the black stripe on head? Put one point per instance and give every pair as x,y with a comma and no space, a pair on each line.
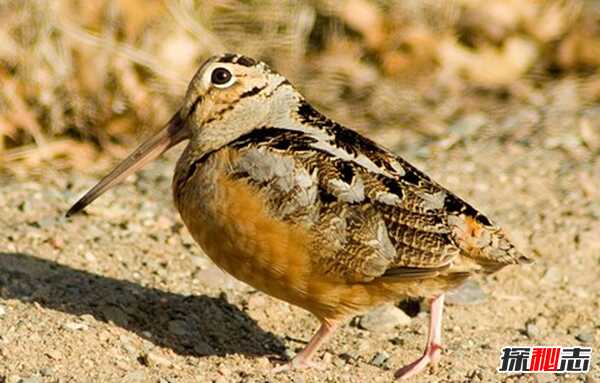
246,61
252,92
227,58
237,59
197,101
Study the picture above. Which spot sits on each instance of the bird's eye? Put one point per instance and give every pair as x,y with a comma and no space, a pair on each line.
220,76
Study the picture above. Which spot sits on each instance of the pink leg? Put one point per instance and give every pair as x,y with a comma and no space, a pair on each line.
433,350
303,358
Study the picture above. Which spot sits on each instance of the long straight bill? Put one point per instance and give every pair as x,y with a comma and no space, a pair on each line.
175,132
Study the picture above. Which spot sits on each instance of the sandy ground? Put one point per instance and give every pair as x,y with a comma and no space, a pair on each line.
124,294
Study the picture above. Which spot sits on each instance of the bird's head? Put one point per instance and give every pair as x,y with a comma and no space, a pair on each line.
229,96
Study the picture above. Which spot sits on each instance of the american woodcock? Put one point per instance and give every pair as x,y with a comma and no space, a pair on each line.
308,211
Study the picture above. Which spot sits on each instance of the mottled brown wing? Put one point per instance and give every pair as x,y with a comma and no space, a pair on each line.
477,237
396,223
356,237
419,240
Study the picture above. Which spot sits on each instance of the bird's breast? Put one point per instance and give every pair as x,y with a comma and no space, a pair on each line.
230,221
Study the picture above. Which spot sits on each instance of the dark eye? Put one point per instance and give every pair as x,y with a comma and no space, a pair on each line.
220,76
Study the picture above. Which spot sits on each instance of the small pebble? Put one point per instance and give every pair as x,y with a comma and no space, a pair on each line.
257,301
2,311
585,336
552,275
289,354
153,359
72,326
57,242
46,371
87,318
380,359
339,362
384,318
532,330
90,257
127,345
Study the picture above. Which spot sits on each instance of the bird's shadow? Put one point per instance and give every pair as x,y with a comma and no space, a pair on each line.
194,325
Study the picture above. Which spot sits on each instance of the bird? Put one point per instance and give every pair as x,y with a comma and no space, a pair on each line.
310,212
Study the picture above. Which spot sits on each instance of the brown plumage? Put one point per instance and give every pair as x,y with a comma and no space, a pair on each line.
311,212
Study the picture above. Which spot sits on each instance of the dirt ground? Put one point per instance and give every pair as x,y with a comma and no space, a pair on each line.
123,294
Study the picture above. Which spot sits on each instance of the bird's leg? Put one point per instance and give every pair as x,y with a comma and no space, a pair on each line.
433,350
303,358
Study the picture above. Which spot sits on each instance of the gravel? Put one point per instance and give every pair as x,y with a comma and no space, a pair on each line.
153,285
47,372
532,331
552,275
72,326
127,344
154,359
384,318
380,359
585,336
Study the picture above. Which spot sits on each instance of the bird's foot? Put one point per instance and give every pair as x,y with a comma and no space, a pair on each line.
430,357
303,359
297,363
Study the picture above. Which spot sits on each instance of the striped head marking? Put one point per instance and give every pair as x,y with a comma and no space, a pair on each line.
229,96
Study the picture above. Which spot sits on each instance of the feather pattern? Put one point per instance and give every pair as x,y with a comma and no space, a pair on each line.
375,212
308,211
314,213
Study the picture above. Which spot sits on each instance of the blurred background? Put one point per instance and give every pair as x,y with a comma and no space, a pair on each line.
498,100
81,82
